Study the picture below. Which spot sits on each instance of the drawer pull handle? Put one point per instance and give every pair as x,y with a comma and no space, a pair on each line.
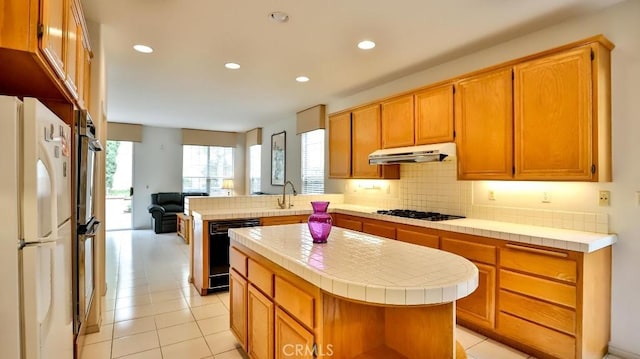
536,250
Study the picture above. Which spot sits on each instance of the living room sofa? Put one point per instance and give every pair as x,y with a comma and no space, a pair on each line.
165,206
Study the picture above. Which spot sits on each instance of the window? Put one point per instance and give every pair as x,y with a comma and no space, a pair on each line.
255,152
313,161
204,168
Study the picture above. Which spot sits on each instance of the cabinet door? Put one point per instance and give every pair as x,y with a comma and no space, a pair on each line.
340,146
553,117
260,323
434,115
74,49
380,229
273,221
347,223
366,139
484,126
238,307
479,307
292,339
397,122
53,26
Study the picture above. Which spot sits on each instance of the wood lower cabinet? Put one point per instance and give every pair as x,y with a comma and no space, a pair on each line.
260,312
416,235
277,220
238,303
348,222
479,307
292,340
484,126
379,228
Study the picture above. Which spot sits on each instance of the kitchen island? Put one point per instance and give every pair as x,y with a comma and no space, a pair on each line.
357,296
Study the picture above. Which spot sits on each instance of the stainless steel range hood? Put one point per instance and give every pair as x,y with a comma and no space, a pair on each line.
423,153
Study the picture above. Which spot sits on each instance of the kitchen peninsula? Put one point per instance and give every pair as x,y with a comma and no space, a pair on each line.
357,296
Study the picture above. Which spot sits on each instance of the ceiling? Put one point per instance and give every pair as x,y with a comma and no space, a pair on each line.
184,83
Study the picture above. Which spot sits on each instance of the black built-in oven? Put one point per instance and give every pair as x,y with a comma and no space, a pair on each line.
219,250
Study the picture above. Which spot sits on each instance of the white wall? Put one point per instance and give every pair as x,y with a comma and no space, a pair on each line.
622,26
293,161
157,167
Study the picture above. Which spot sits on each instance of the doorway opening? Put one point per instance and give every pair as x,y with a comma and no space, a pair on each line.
119,185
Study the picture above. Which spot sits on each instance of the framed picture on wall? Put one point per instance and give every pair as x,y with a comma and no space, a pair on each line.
278,158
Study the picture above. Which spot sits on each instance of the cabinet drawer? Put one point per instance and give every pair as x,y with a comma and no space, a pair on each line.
554,292
549,315
261,277
379,229
348,224
423,239
543,262
238,261
546,340
474,251
295,301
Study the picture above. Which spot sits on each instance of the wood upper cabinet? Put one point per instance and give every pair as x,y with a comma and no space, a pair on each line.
340,145
434,115
553,124
397,122
260,325
53,33
484,126
366,139
74,60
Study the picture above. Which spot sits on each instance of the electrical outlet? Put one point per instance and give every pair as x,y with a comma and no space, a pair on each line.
638,198
546,197
492,195
603,198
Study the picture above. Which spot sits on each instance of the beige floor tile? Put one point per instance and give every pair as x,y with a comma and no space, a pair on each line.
224,298
135,344
127,302
107,317
490,349
221,342
132,291
108,304
232,354
190,291
214,324
100,350
163,296
105,334
178,333
170,306
173,318
209,310
135,326
129,313
149,354
190,349
198,301
161,287
468,338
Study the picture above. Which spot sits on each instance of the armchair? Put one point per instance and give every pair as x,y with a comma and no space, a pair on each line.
165,206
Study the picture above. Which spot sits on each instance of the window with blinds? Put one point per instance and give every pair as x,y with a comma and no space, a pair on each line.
205,167
255,152
312,144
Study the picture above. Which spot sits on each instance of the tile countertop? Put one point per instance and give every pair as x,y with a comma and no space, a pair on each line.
364,267
544,236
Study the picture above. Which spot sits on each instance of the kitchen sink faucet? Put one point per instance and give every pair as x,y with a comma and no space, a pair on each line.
283,204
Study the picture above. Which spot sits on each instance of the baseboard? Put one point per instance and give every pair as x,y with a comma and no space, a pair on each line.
622,353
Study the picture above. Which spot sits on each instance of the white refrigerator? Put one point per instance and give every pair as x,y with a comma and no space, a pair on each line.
35,248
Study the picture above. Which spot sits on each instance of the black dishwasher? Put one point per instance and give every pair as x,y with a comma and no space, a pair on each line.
219,250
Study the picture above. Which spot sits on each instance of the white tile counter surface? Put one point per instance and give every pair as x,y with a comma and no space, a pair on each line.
543,236
364,267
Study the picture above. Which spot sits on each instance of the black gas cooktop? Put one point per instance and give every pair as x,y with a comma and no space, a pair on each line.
427,216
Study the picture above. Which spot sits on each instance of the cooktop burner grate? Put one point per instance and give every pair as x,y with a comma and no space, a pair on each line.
427,216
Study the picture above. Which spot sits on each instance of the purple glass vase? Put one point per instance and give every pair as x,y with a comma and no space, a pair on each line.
320,222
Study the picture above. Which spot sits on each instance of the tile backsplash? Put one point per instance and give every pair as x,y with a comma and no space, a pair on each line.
434,187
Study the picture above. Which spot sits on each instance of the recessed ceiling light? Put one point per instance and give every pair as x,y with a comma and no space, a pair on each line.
366,45
232,65
302,79
279,16
143,48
